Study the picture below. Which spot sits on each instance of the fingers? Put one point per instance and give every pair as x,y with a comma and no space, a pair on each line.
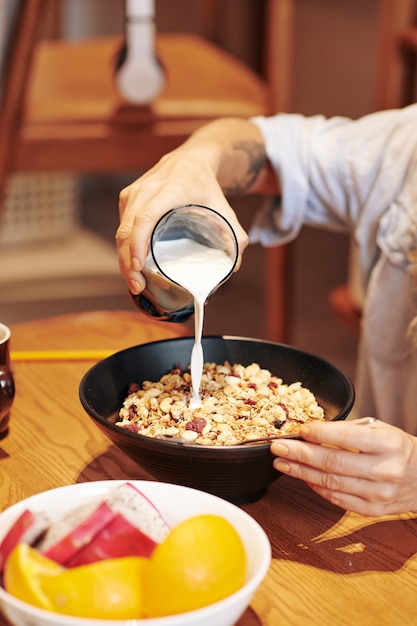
138,215
343,478
362,435
320,464
128,260
350,448
361,465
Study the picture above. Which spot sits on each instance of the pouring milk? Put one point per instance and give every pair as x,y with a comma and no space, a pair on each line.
199,269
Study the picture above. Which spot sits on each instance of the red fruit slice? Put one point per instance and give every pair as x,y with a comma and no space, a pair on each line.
67,537
136,507
119,538
126,523
135,531
28,528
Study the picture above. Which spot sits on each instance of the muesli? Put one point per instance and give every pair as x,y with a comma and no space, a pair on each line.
237,403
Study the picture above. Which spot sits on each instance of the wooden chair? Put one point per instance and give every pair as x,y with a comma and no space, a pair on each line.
60,109
395,87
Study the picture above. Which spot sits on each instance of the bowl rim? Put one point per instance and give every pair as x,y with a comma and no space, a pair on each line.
100,488
170,445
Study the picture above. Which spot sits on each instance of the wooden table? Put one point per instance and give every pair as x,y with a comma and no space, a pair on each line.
329,567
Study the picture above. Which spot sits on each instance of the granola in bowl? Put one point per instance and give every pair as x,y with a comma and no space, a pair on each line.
238,403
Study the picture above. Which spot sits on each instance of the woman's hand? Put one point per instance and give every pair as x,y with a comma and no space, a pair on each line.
179,178
368,468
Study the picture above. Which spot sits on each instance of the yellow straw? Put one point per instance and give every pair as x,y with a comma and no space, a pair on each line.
59,355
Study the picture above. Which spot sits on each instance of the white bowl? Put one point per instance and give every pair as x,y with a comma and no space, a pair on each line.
176,504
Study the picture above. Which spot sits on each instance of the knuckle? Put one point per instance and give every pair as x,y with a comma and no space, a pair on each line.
387,493
333,462
330,482
123,232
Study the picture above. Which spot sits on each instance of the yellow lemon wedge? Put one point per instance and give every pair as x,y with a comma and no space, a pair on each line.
24,571
202,560
108,589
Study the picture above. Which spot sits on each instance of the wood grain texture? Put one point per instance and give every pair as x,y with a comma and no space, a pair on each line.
329,566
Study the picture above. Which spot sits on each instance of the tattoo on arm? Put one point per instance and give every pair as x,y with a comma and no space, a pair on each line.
256,160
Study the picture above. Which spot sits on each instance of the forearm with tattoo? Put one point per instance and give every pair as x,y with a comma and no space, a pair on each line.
255,159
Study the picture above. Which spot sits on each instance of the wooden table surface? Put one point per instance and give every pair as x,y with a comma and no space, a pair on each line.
329,567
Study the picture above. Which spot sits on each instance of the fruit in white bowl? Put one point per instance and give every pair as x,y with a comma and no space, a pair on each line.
180,516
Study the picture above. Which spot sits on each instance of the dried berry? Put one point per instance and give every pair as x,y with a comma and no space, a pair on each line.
197,425
133,411
132,427
285,408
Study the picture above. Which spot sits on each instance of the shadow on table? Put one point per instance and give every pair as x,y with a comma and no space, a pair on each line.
301,527
113,464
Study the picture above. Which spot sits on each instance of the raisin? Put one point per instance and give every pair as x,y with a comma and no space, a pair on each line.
132,427
196,424
133,411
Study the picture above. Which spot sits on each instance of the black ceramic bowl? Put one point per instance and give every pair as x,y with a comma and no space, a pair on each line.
236,473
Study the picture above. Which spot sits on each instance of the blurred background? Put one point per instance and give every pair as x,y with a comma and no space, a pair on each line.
333,73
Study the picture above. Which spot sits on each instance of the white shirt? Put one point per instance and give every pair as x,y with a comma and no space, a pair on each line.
358,177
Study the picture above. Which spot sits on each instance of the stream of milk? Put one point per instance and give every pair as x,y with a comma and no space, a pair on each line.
199,269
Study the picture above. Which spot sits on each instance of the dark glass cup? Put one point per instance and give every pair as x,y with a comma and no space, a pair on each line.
7,387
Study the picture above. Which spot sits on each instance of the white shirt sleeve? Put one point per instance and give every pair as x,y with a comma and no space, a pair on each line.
336,173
